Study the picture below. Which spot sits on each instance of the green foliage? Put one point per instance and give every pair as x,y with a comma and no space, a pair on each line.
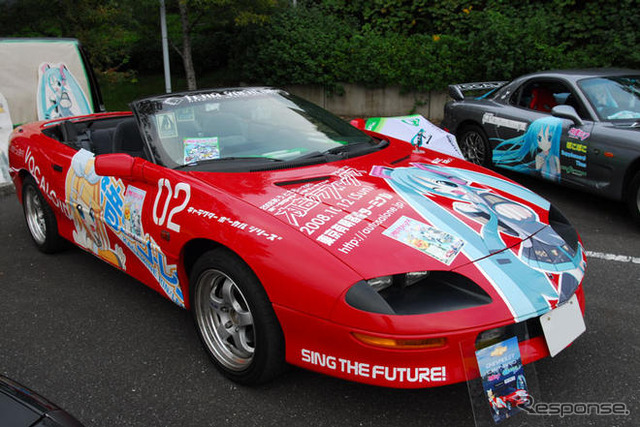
307,45
417,44
297,46
107,29
427,44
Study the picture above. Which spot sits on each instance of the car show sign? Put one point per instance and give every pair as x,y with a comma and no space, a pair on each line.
42,78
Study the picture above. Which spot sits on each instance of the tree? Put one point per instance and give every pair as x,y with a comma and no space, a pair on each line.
187,59
201,16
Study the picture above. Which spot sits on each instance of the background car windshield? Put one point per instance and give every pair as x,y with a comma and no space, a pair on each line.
614,98
240,123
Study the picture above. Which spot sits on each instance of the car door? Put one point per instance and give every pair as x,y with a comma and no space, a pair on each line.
145,216
532,141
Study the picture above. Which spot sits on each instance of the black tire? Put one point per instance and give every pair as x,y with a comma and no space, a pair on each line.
474,144
41,221
235,319
633,198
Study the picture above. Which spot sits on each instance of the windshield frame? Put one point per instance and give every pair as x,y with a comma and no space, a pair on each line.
273,128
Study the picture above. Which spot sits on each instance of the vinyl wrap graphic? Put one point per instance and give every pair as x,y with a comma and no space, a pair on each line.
59,94
543,273
99,203
536,152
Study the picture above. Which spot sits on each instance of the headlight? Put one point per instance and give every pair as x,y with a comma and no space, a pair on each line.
420,292
401,280
380,283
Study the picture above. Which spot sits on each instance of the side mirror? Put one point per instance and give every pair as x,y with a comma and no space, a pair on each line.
119,165
566,112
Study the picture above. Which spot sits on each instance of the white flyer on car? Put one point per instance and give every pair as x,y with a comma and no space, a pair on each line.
416,130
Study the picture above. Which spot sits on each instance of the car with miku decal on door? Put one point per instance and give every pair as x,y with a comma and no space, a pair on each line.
579,128
295,237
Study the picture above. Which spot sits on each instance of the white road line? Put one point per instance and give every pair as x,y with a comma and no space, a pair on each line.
613,257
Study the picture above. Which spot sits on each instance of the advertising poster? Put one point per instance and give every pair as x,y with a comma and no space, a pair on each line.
133,201
199,149
429,240
503,378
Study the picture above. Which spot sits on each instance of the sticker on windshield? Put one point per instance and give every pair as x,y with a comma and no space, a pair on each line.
167,125
198,149
185,114
429,240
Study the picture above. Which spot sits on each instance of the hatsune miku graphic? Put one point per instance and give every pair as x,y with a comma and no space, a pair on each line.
537,151
547,269
59,94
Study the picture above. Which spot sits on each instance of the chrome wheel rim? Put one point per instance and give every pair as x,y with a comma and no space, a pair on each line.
473,147
225,320
34,213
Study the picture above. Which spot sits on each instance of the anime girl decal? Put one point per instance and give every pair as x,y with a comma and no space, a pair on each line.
541,255
537,151
59,94
102,203
83,197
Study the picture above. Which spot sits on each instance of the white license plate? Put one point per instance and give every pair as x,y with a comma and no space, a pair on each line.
562,325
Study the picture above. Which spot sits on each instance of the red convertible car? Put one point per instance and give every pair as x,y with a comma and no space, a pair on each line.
295,237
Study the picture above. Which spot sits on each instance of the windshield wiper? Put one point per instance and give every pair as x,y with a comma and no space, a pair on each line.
355,147
226,159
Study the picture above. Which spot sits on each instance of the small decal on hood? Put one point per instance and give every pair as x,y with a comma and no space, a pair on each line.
429,240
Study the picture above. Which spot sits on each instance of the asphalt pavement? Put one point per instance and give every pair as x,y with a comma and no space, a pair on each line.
114,353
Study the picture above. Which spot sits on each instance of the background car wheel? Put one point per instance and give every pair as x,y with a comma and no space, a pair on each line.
40,218
633,197
474,145
235,319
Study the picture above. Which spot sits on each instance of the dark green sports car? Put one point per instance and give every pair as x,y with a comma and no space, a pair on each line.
580,128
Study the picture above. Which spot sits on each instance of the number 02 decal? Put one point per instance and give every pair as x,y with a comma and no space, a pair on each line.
181,187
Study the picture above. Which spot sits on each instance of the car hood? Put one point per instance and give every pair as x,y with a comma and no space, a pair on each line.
424,213
420,214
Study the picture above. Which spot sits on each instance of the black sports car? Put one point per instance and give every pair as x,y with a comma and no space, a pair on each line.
580,128
22,407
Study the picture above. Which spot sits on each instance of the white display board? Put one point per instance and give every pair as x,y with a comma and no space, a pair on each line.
5,130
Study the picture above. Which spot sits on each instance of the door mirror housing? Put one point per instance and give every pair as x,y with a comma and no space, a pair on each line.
119,165
566,112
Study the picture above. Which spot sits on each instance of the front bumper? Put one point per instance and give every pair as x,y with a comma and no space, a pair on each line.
330,348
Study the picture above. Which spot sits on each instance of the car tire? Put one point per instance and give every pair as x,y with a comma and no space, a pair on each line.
633,197
235,319
41,221
474,145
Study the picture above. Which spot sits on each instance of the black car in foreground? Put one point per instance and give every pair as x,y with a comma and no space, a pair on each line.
580,128
21,407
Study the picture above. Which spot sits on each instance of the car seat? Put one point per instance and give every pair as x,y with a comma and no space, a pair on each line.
127,139
542,99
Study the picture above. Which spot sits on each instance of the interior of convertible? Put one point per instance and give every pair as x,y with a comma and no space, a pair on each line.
102,136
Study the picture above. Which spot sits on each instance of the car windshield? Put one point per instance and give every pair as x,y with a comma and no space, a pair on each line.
207,129
614,98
